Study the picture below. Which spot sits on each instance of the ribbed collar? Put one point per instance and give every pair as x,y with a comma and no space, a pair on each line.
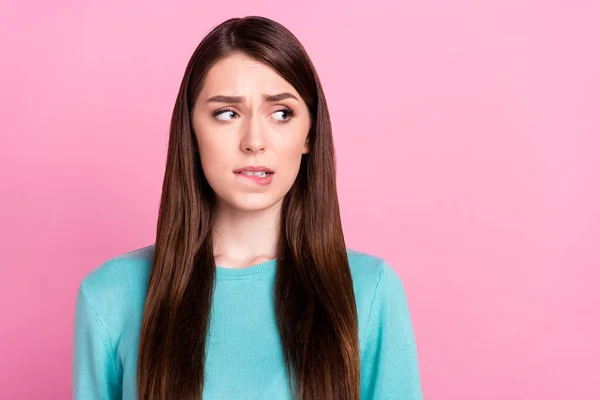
264,268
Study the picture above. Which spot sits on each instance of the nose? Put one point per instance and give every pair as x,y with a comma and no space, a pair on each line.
253,140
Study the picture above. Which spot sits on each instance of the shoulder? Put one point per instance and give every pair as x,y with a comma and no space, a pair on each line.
388,352
369,272
125,272
375,284
364,266
116,289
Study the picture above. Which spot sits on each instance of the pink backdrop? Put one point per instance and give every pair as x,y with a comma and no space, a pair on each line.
467,135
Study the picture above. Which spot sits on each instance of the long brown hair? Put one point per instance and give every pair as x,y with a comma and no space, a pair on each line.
314,297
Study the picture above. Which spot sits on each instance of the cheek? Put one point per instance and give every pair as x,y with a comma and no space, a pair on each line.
289,162
291,150
212,154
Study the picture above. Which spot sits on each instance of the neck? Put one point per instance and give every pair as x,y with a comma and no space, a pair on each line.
244,238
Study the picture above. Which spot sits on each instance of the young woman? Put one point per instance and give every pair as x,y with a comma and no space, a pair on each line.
249,291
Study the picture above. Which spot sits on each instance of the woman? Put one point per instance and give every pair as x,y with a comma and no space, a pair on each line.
249,291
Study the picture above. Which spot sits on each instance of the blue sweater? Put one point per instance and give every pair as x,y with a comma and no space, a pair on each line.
243,350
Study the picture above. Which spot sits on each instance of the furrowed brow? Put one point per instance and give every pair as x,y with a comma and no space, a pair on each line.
226,99
241,99
279,97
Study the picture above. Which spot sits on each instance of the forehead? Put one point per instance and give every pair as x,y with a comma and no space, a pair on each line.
239,74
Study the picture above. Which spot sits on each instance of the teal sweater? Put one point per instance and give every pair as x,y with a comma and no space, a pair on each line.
243,351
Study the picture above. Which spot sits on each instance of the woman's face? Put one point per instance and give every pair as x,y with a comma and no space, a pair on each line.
247,115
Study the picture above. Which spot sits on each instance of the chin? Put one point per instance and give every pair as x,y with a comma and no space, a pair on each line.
251,202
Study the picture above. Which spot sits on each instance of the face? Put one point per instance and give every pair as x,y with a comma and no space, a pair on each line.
248,116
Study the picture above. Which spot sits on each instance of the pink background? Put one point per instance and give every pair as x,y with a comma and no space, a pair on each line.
467,135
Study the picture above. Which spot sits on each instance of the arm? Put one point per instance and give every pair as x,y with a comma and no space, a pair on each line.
94,372
390,367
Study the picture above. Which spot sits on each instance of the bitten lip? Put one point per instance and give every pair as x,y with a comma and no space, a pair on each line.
254,169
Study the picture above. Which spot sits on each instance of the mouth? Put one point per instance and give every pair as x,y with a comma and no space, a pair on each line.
262,178
260,174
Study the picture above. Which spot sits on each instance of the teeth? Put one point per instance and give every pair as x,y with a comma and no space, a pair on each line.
260,174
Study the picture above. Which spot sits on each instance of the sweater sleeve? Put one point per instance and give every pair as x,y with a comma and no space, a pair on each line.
94,372
390,367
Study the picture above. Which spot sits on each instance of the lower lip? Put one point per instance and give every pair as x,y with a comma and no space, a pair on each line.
257,179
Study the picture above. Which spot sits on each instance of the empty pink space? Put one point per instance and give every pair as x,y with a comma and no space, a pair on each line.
467,138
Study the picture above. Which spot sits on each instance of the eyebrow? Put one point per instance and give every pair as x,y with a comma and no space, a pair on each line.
241,99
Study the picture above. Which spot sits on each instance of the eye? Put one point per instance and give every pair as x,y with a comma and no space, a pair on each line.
225,115
283,115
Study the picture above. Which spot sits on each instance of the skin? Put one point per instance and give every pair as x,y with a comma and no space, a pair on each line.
253,131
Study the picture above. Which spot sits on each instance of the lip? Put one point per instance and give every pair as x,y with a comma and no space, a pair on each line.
254,169
256,179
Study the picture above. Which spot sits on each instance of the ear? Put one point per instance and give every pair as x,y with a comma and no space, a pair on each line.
306,148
